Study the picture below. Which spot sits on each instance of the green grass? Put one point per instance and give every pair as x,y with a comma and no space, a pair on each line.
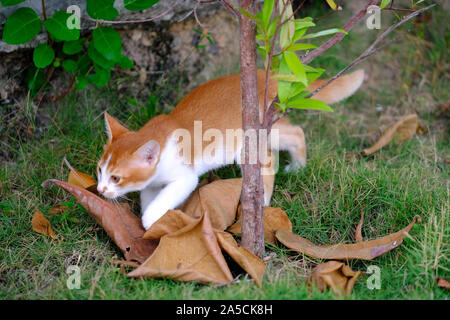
323,201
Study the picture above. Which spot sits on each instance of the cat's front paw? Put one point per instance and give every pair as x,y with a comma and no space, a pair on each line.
147,223
151,215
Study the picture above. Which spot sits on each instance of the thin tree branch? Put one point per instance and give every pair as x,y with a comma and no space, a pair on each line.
368,52
372,48
362,57
338,36
230,7
272,46
65,92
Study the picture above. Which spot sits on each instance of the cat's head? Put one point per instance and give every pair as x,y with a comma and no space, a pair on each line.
128,162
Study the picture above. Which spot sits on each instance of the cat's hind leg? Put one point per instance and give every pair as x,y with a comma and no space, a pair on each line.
292,139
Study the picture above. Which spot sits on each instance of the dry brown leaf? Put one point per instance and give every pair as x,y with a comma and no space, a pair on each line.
403,129
119,222
220,198
78,178
443,283
254,266
273,219
365,250
335,275
190,254
170,222
358,232
58,209
41,225
125,263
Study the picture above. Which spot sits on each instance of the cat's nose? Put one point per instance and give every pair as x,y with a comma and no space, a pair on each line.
101,190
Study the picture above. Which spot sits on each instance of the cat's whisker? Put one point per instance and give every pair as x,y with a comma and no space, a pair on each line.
124,198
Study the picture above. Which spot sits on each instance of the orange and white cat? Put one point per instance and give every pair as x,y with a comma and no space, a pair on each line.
149,160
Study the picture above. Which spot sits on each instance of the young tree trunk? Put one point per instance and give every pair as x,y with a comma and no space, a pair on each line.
252,186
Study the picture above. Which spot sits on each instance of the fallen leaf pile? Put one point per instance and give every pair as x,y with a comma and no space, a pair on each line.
191,243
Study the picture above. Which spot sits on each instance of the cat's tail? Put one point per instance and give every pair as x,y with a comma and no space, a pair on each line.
339,89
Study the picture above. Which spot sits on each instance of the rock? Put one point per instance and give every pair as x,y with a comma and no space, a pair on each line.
178,12
163,50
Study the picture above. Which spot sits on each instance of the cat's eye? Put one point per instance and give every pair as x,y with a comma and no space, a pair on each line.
115,179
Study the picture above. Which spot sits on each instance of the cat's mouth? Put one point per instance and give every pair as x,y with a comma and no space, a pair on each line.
110,195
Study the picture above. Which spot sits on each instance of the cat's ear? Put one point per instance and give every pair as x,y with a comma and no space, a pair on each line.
149,152
113,128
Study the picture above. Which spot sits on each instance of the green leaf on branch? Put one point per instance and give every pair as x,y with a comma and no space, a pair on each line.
297,90
101,76
81,82
126,63
57,27
101,9
301,46
272,27
73,47
384,3
84,64
267,12
298,34
43,55
287,30
135,5
70,65
313,76
323,33
98,58
21,26
303,24
284,88
332,4
107,41
301,103
9,3
247,14
285,77
295,65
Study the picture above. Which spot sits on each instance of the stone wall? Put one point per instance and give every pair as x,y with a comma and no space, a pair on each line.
158,48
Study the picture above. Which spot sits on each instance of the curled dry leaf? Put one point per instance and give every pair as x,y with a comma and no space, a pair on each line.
254,266
358,232
273,219
171,222
220,198
189,254
443,283
78,178
337,276
119,222
365,250
41,225
58,209
403,129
